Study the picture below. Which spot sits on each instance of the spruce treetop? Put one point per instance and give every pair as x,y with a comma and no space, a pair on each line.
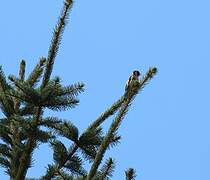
23,127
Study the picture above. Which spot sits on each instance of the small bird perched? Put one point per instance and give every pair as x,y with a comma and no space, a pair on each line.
134,77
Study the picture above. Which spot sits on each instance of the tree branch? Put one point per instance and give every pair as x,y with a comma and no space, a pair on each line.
31,143
57,35
29,147
130,95
130,174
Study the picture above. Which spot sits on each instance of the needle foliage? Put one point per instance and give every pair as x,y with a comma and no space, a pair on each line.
23,127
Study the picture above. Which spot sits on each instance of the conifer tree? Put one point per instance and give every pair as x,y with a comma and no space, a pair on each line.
23,127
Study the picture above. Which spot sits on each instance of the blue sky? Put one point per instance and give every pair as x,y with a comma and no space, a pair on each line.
166,134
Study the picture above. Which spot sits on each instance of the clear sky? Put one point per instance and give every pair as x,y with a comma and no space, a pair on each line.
166,134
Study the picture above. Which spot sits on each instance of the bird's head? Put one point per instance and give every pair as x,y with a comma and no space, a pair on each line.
136,73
